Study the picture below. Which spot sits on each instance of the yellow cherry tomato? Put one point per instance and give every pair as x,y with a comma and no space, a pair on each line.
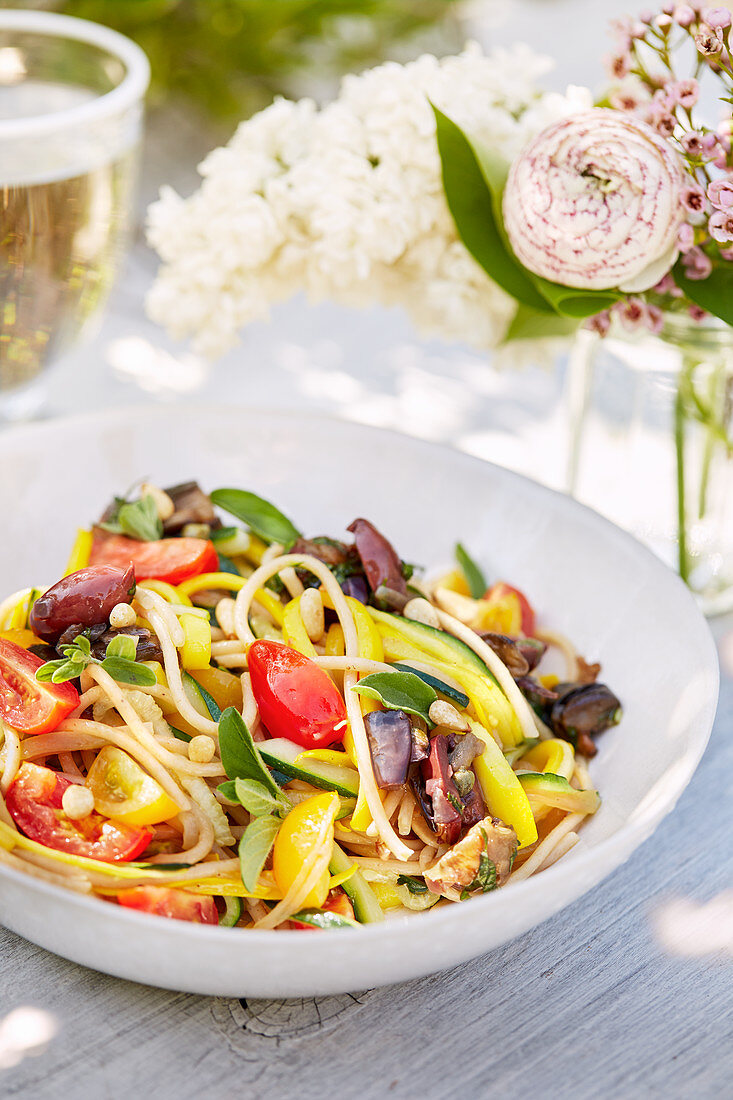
224,687
20,636
309,825
123,791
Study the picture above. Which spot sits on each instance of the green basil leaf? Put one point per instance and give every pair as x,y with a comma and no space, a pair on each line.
228,789
122,645
256,798
414,885
263,518
128,672
715,294
179,733
45,673
226,565
254,848
472,207
322,918
485,879
140,520
239,754
440,686
398,691
476,582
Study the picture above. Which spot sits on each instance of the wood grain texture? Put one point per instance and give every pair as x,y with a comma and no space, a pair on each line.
590,1004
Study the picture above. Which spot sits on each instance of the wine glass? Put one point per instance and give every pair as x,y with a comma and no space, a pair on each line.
71,106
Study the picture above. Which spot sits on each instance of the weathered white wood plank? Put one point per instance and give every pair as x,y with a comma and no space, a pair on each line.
588,1005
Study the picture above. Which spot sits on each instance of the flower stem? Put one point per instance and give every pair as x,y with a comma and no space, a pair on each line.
683,561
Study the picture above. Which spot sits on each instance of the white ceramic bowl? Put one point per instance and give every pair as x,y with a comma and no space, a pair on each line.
612,596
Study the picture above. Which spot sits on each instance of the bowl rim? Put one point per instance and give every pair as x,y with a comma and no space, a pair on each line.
625,839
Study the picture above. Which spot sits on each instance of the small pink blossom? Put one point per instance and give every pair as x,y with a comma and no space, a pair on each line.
665,285
684,92
720,193
600,323
623,100
632,313
693,144
664,124
726,254
709,40
685,237
697,264
693,199
697,313
683,14
717,17
720,226
618,65
654,318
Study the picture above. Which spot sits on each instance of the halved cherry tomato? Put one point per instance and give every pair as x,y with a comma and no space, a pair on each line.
171,560
123,791
296,698
26,704
300,832
165,902
501,590
34,803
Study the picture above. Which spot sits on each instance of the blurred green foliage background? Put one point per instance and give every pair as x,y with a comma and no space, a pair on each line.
230,57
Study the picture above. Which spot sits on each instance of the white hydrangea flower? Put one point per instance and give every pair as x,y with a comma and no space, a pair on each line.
346,202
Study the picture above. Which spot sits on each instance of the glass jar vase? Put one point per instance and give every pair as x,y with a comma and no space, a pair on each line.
651,443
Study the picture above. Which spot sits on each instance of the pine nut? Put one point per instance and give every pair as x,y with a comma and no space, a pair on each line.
421,611
201,749
121,615
445,714
164,506
77,802
311,612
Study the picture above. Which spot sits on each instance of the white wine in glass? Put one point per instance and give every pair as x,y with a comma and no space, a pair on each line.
70,126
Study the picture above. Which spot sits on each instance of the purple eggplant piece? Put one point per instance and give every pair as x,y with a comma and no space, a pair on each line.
582,711
520,655
356,587
474,807
191,505
390,743
379,558
439,786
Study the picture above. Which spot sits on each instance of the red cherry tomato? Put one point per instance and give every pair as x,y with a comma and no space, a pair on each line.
26,704
34,803
500,589
172,560
296,698
165,902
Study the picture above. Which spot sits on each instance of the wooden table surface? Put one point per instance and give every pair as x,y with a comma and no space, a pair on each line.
627,993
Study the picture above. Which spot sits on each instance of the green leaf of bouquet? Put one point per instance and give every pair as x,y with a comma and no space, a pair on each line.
473,208
254,848
239,755
260,515
530,324
398,691
715,294
129,672
573,302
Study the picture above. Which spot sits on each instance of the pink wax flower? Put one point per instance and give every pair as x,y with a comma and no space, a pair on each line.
720,226
632,314
693,142
683,14
697,264
685,237
717,17
697,312
600,323
720,193
684,92
694,202
709,40
618,65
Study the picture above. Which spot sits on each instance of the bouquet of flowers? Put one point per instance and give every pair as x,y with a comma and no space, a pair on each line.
458,190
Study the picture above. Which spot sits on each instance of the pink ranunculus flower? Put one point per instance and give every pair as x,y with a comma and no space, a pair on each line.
720,225
720,193
594,202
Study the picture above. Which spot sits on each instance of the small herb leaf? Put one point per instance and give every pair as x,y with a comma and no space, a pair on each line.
122,646
138,519
254,848
475,578
239,754
260,515
255,797
45,673
69,670
485,879
128,672
398,691
414,885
